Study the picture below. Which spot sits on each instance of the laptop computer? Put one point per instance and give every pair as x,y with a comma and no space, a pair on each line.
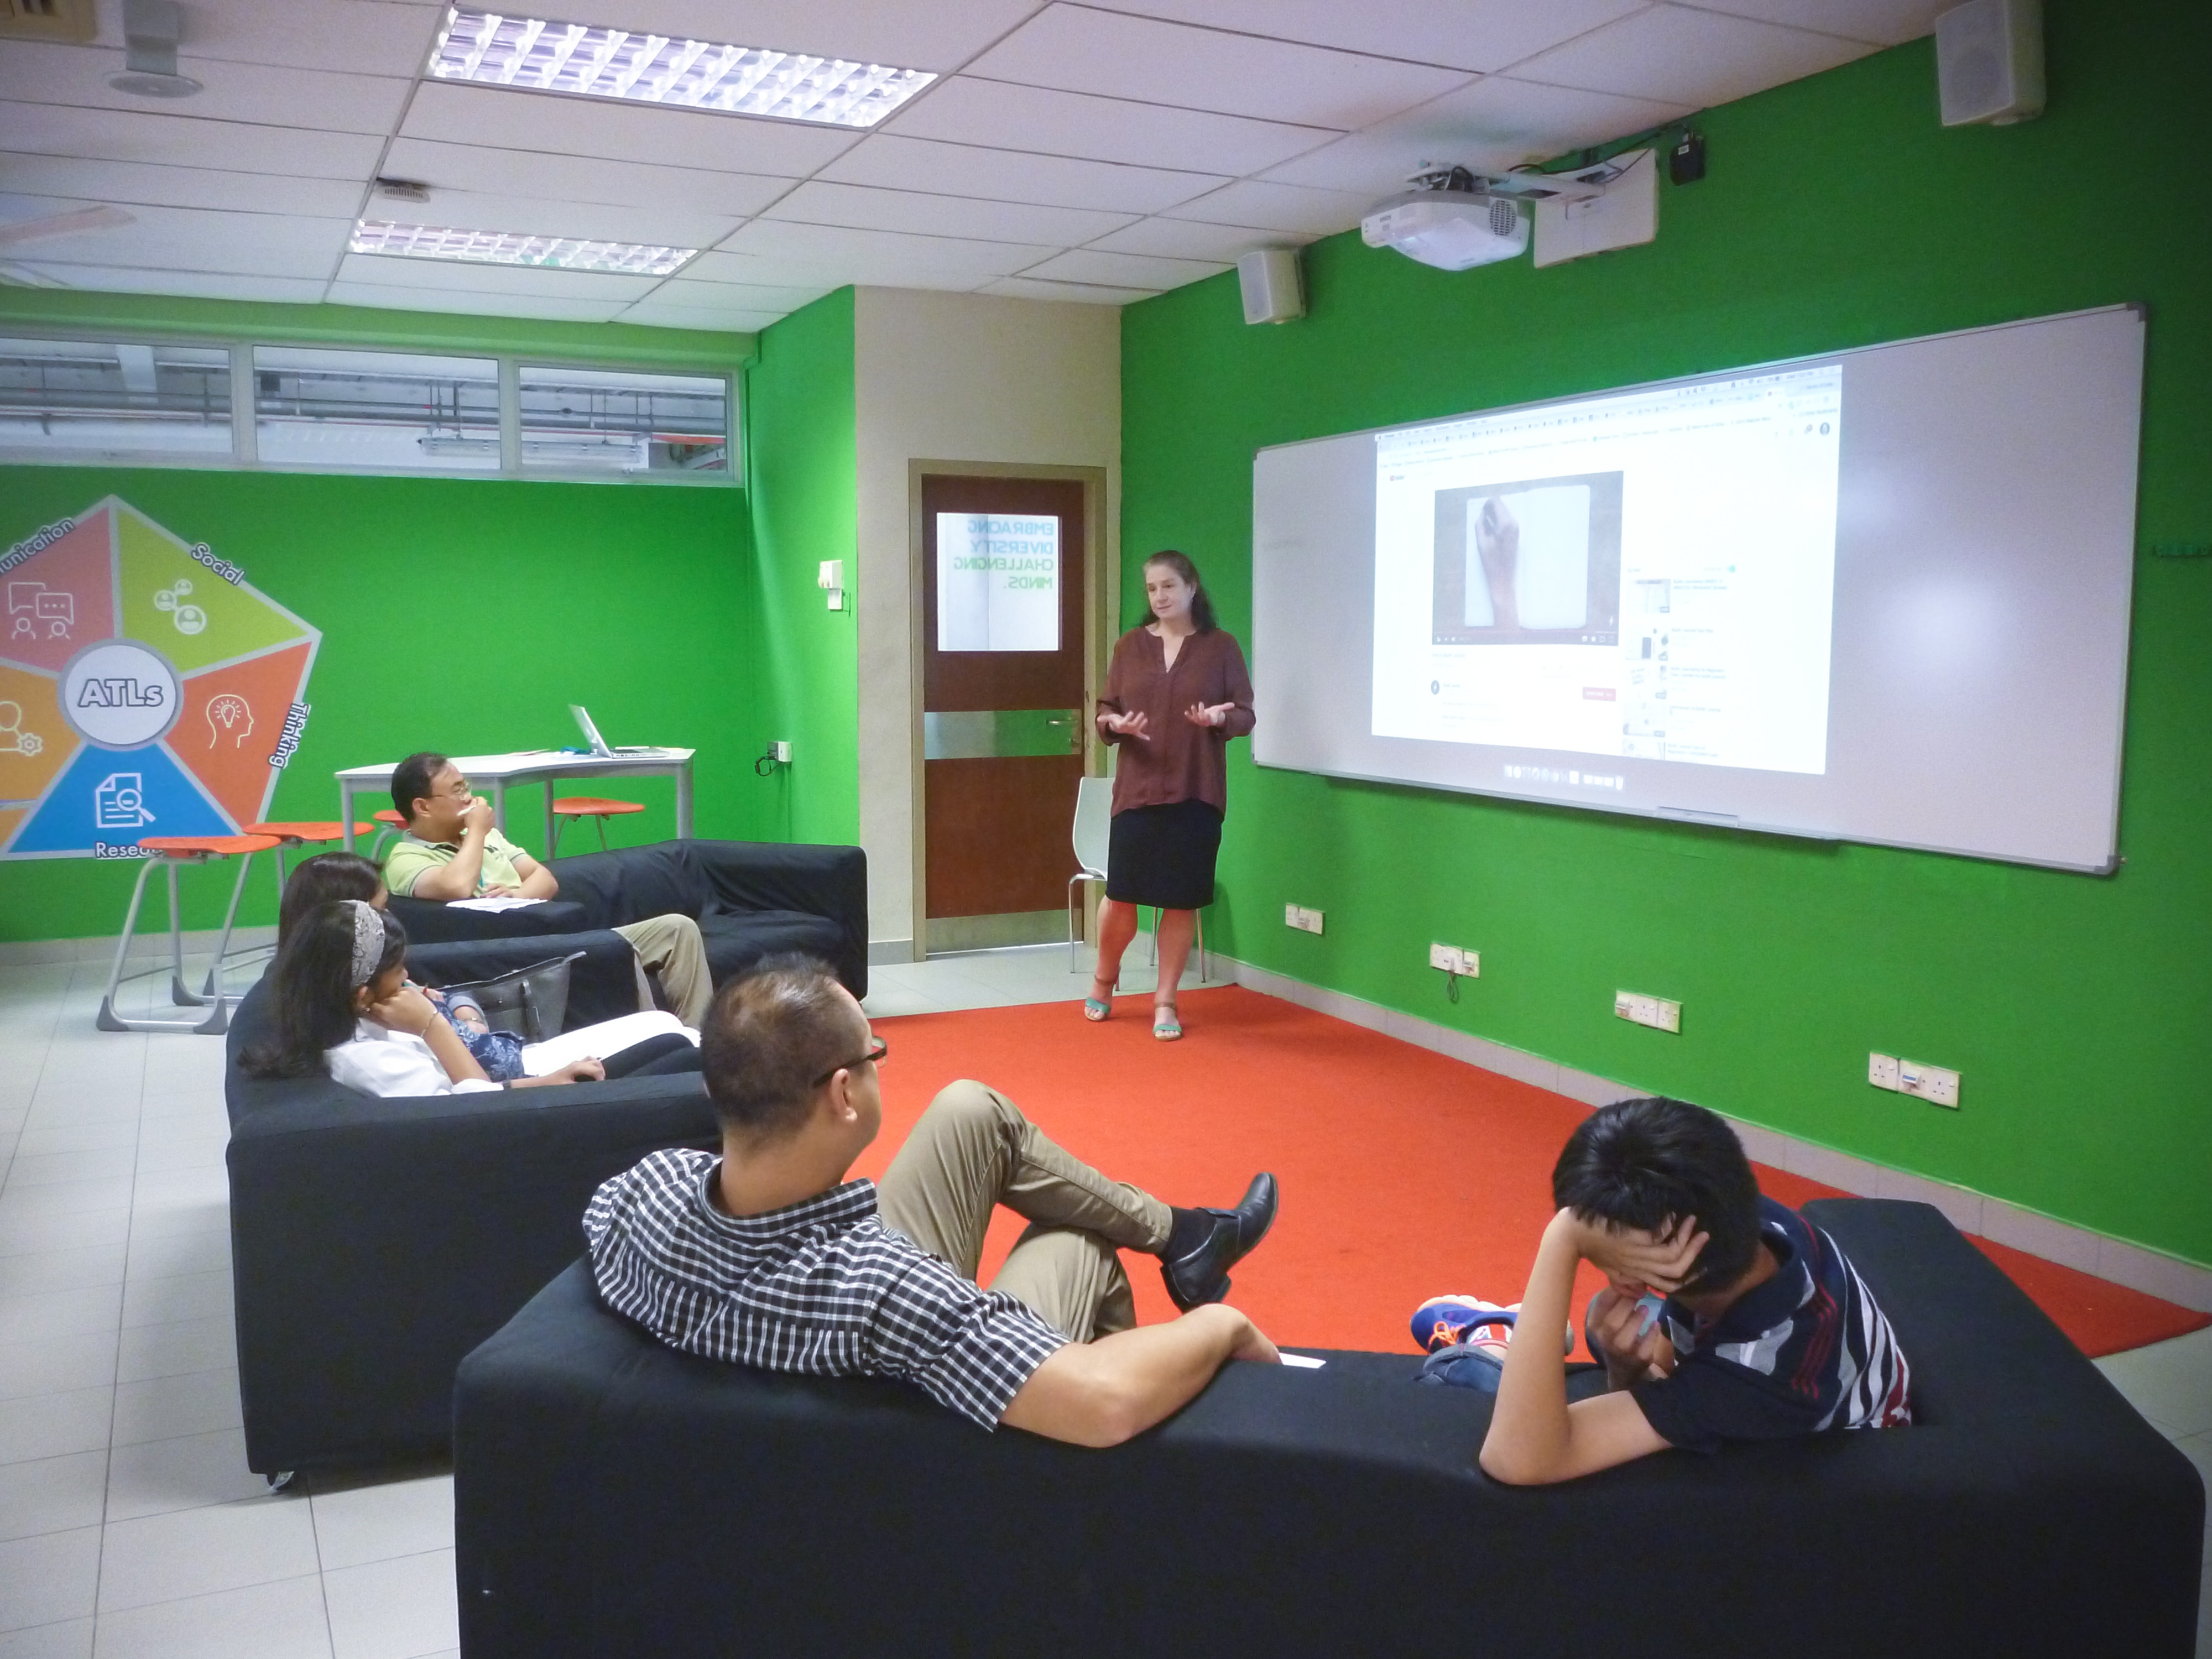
599,744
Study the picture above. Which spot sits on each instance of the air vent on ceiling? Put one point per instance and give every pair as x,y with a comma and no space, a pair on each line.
48,20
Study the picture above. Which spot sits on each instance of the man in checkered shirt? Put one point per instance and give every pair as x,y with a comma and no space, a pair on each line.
766,1255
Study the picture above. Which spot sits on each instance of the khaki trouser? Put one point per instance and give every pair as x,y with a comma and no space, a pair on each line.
671,947
972,1150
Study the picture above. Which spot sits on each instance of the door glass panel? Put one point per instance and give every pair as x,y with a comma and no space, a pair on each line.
998,582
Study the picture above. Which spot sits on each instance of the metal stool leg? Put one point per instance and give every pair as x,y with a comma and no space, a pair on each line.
107,1020
214,988
600,819
218,1018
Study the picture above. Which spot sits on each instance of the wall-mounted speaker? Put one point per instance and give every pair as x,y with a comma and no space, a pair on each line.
1989,62
1273,290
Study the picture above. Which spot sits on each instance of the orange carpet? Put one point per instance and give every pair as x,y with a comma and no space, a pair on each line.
1404,1174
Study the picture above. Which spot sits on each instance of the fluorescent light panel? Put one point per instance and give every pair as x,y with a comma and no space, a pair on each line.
512,247
493,48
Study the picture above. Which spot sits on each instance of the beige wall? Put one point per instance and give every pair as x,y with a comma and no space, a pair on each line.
954,377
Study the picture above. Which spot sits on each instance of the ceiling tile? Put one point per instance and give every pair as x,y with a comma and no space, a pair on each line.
1123,269
464,210
192,239
324,35
900,33
1088,293
191,285
654,312
1678,56
1137,58
623,132
1497,123
1277,207
1883,23
36,71
1004,175
130,182
844,256
578,178
736,279
1186,239
866,208
1052,123
1469,34
473,304
467,276
185,141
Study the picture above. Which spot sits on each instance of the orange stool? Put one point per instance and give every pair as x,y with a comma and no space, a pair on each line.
588,807
392,823
169,852
288,834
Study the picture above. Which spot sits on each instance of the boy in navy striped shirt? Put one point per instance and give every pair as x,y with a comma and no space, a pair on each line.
1726,1316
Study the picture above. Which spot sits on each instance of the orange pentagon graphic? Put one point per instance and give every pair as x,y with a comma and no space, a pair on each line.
35,742
62,598
233,720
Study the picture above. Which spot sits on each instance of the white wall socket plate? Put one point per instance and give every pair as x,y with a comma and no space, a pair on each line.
1304,918
1657,1012
1935,1085
1455,959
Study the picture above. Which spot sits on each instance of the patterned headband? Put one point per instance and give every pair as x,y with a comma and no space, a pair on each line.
368,941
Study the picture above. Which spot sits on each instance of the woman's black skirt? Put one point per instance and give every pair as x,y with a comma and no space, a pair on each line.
1164,855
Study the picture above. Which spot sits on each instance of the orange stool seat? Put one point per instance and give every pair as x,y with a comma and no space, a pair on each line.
169,852
305,832
590,806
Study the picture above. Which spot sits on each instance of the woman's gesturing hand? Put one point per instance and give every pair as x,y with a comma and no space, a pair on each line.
1129,726
1207,713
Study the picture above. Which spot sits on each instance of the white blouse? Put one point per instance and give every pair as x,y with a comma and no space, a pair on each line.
381,1062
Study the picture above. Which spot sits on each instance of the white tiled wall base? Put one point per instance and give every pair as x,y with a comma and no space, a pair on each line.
2184,1283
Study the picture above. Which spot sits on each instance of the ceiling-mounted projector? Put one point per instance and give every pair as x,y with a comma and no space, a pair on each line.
1455,220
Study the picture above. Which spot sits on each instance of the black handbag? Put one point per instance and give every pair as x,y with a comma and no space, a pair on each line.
531,1001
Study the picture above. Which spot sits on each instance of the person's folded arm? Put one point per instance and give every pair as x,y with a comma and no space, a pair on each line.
1103,1393
537,882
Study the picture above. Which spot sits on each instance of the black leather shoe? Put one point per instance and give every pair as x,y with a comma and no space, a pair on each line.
1201,1274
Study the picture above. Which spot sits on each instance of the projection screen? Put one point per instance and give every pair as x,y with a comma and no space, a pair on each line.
1879,596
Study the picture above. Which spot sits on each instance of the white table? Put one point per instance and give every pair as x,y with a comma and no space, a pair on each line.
536,766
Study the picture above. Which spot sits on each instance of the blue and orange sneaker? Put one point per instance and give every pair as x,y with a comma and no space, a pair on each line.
1444,1321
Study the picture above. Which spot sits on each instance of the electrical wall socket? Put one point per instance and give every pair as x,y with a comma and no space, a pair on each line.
1454,959
1935,1085
1302,917
1657,1012
782,752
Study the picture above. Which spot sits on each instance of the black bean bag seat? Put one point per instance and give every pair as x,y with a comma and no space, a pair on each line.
374,1243
751,898
613,1496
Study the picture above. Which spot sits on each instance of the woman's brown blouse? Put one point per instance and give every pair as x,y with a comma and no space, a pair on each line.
1180,761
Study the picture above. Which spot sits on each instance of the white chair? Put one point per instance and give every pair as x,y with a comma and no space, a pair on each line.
1094,819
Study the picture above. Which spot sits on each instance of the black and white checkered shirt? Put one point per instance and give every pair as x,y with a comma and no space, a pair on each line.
822,1287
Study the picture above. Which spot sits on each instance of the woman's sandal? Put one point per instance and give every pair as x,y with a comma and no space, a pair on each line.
1096,1008
1165,1026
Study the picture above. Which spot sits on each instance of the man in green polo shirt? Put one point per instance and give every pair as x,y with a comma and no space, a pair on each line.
451,851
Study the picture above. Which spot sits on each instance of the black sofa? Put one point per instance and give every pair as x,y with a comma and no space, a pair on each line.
374,1243
750,899
614,1496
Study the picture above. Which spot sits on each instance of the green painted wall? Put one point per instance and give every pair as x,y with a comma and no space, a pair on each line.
804,481
456,614
1836,212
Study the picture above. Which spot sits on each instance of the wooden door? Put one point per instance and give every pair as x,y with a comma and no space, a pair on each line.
1003,702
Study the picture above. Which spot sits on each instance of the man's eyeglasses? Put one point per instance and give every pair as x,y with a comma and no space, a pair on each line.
878,1049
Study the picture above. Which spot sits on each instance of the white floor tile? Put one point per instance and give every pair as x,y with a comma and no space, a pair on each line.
37,1235
163,1557
53,1168
118,1135
70,1640
174,1349
156,1477
53,1494
67,1197
174,1220
48,1577
2169,1383
45,1314
61,1270
56,1364
178,1296
202,1149
169,1408
204,1187
280,1620
55,1424
397,1609
379,1523
205,1250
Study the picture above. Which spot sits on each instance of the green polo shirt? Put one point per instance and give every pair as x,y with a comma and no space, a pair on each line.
411,855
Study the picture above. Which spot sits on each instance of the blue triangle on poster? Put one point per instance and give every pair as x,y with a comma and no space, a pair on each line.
110,798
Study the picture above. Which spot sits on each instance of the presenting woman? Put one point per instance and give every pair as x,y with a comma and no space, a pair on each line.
1176,693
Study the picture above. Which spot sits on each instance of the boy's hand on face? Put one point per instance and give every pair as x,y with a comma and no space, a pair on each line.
1627,1256
1630,1354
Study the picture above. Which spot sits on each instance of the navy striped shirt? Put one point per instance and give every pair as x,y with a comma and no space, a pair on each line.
822,1287
1806,1352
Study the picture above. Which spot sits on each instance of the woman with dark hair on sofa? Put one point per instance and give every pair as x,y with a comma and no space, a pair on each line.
318,881
342,1004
